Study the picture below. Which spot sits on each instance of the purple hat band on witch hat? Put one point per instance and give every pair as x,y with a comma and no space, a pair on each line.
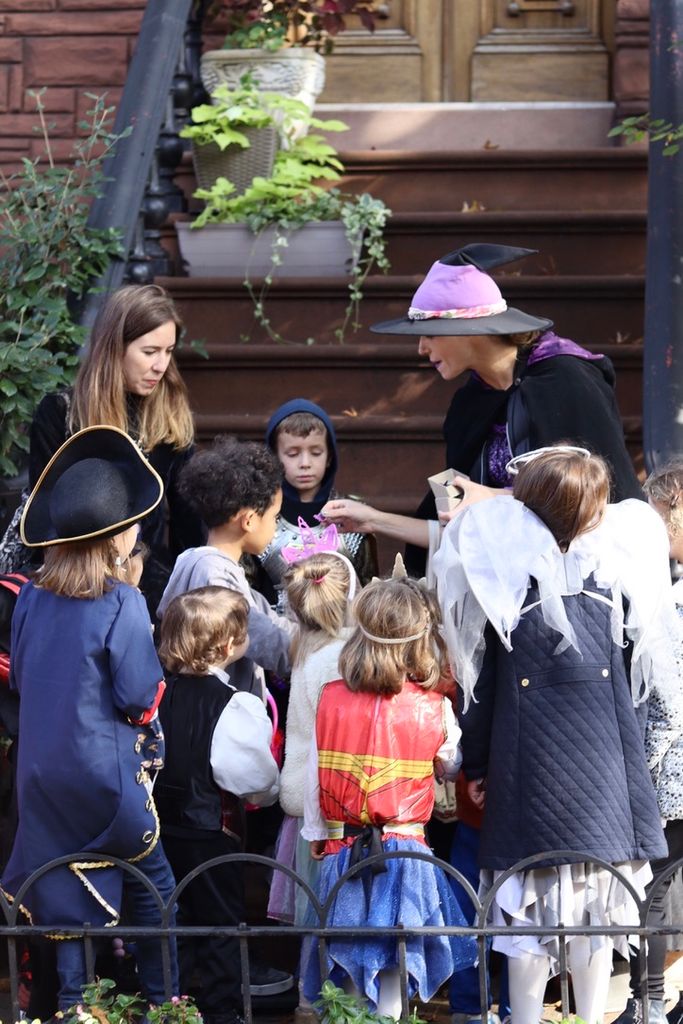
456,292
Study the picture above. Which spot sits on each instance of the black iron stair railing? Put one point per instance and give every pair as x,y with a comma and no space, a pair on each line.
161,87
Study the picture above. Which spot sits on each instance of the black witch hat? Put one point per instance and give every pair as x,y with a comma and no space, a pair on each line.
458,297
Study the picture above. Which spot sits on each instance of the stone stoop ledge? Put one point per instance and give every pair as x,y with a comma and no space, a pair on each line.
473,126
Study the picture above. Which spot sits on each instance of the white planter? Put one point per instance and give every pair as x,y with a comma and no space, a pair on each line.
295,71
319,249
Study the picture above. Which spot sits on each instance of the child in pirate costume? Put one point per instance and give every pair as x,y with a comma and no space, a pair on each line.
302,436
381,734
89,682
559,621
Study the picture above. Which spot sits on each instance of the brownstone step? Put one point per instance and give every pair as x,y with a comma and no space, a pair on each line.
356,383
386,403
597,309
496,180
569,242
582,180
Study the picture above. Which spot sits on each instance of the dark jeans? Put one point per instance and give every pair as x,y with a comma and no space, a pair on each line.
656,944
142,910
464,985
214,897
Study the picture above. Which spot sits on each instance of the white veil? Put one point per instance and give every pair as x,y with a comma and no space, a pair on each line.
491,550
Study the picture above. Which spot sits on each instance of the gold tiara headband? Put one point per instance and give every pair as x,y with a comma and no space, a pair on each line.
394,639
513,466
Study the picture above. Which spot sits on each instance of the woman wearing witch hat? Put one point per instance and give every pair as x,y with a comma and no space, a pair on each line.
89,681
527,388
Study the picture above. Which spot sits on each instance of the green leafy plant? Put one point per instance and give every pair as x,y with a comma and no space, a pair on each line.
272,24
642,126
292,195
231,111
336,1007
102,1004
177,1010
48,258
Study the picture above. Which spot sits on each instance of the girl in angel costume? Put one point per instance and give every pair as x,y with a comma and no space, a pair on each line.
559,622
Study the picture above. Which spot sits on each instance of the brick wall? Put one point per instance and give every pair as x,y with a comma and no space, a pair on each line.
70,47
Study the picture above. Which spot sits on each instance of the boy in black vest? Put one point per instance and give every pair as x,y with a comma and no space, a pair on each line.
217,753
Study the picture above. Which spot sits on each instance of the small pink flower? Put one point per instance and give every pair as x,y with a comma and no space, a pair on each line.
175,999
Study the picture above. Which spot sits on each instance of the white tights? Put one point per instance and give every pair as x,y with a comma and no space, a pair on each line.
389,1000
529,973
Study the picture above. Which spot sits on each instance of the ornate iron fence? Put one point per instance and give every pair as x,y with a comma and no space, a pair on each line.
14,929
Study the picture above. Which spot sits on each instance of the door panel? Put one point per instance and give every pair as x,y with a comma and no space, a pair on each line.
487,50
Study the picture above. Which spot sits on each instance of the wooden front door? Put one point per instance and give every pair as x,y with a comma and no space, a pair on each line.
487,50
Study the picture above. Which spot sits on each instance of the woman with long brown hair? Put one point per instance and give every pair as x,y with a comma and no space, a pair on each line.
129,379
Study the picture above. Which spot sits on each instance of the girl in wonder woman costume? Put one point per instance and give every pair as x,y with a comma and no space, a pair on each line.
382,731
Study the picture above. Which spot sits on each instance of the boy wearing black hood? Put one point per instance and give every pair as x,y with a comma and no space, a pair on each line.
302,436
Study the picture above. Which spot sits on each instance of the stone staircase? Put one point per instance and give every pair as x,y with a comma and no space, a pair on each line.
584,210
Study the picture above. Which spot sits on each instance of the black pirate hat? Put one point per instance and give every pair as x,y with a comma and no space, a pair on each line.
96,485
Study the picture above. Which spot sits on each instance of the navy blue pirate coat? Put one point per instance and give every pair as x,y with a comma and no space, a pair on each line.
560,744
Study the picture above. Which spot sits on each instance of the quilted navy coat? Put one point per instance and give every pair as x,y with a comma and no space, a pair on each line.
561,745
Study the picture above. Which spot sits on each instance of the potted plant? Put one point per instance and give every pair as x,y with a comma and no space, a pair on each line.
104,1004
237,135
49,258
280,41
287,223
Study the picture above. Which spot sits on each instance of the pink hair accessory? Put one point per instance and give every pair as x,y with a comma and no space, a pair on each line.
324,544
318,579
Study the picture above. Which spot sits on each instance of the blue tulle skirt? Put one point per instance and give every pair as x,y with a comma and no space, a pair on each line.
412,893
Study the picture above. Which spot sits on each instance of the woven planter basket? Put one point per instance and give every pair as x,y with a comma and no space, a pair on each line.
239,165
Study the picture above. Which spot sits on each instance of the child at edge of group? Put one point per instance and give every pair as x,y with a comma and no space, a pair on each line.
664,747
217,751
539,589
302,436
382,732
236,488
89,680
319,591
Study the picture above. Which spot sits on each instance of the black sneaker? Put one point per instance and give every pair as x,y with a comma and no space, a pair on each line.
229,1017
632,1013
268,981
